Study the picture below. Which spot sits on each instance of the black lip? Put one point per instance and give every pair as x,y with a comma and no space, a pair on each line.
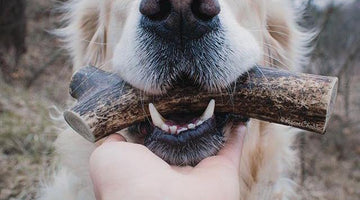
213,125
188,147
207,127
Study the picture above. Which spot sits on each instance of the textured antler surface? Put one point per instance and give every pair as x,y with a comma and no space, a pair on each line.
107,104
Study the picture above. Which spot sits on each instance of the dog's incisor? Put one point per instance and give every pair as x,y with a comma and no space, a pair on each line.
151,46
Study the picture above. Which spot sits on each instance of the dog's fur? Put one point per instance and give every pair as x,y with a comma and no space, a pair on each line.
261,32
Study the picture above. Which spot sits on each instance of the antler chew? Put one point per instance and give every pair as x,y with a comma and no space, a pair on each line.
107,104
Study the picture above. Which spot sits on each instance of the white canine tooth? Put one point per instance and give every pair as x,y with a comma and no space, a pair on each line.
173,129
198,123
181,130
156,118
165,128
191,126
209,112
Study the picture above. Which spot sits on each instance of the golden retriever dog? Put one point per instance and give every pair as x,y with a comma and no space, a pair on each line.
152,44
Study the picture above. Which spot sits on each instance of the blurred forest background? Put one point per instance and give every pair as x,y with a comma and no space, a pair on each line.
35,72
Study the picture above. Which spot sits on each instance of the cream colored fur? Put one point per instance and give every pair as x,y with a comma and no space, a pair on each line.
95,30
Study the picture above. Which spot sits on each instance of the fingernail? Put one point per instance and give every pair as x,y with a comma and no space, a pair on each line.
115,138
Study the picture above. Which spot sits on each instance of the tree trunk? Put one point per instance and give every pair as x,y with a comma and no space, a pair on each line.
12,32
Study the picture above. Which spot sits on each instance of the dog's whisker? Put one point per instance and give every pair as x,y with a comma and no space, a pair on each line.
270,31
272,64
261,72
272,58
280,33
276,49
93,42
249,77
142,94
279,26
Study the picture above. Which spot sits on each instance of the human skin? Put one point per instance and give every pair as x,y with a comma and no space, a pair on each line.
122,170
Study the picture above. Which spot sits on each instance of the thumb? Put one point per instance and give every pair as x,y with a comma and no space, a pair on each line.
111,138
115,138
234,145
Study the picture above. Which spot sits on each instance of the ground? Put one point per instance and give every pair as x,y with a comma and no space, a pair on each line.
331,162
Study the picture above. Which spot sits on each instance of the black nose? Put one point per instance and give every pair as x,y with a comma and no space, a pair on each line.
180,19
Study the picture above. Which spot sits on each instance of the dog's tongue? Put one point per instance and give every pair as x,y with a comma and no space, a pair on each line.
176,127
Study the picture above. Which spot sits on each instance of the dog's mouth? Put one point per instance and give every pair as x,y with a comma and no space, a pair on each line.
185,138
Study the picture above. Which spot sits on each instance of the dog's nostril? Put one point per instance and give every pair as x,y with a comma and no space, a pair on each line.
205,9
180,20
155,10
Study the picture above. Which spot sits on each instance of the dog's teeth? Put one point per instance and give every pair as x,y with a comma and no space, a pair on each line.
198,123
156,118
181,130
191,126
165,128
209,112
173,129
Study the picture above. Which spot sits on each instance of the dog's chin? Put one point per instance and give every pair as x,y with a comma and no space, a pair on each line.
190,146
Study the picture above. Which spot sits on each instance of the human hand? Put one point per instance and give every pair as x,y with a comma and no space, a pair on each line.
121,170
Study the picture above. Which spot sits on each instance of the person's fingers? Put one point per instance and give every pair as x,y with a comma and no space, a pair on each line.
233,146
221,172
124,157
115,138
229,155
111,138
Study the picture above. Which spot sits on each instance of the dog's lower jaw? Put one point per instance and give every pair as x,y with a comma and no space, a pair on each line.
190,153
267,154
190,146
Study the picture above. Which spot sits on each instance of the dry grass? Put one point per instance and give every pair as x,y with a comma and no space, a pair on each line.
332,162
26,135
26,130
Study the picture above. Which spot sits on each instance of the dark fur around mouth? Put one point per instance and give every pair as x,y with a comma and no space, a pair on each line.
187,148
166,64
168,61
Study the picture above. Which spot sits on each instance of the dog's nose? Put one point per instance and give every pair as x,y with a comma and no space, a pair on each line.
188,19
